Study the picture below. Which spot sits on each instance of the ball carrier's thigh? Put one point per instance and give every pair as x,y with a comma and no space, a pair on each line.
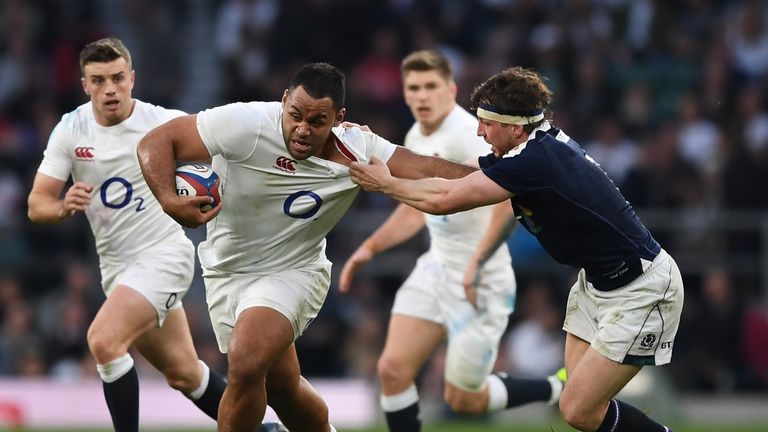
261,348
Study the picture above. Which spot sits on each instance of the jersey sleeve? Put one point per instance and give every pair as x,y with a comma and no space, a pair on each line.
517,174
170,114
57,161
380,147
365,145
231,130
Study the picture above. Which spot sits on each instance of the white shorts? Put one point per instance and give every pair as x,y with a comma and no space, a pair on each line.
635,324
298,294
434,293
161,274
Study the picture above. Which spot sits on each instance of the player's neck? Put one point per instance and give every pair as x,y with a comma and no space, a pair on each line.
332,151
101,120
428,128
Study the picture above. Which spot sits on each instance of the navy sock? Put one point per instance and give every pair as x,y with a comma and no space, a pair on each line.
523,391
122,396
623,417
209,401
407,419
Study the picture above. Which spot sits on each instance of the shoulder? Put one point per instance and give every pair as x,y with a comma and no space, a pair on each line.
556,142
74,123
354,138
157,109
247,111
413,134
460,119
459,135
157,112
362,144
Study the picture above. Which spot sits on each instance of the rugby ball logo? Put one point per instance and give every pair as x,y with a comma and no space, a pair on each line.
198,180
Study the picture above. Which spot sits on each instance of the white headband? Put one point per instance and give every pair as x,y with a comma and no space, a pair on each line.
486,111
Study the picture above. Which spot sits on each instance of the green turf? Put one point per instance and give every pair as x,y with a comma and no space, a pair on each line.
459,427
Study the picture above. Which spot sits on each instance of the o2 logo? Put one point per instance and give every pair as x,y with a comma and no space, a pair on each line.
302,205
127,198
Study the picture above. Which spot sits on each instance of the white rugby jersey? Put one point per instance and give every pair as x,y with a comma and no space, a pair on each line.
454,237
124,215
277,211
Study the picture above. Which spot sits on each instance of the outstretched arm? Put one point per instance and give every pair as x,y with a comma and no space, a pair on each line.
158,152
407,164
401,225
501,226
430,195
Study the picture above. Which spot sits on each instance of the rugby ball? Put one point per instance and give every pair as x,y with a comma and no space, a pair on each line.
198,180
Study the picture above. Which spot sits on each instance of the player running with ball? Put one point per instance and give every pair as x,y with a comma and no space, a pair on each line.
146,261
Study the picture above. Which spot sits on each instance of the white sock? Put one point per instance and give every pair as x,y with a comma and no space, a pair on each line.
198,393
115,369
401,400
557,389
497,394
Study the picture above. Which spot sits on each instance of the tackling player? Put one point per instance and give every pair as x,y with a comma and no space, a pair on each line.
624,310
432,303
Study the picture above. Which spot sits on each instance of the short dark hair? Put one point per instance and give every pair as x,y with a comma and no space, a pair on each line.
515,91
427,60
104,51
320,80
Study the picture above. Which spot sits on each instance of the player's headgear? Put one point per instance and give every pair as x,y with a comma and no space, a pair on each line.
489,112
515,96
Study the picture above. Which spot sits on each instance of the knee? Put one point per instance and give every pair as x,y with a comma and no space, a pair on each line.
393,372
579,416
184,378
464,402
102,348
245,370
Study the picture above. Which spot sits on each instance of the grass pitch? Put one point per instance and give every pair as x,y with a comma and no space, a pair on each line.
463,427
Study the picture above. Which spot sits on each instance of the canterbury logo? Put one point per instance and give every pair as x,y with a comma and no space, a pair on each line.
84,152
285,164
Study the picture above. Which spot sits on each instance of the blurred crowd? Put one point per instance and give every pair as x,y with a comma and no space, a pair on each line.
670,97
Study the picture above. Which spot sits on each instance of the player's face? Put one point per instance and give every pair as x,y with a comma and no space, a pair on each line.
429,96
502,137
307,123
109,85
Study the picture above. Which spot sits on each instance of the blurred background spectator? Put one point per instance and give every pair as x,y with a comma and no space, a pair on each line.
669,97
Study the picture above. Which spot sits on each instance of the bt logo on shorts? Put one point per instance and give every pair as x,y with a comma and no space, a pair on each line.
285,164
84,153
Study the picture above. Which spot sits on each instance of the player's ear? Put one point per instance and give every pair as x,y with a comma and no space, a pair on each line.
285,96
85,89
518,130
340,116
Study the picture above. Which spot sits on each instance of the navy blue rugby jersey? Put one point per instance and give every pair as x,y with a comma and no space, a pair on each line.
564,198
